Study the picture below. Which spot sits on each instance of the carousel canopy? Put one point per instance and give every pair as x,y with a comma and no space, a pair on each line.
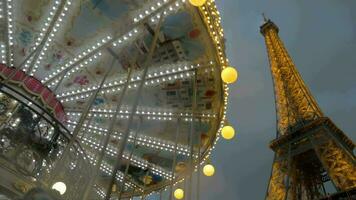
137,81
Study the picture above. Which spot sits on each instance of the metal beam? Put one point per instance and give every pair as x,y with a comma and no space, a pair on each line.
134,107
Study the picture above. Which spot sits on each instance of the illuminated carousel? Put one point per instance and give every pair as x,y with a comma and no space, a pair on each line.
110,99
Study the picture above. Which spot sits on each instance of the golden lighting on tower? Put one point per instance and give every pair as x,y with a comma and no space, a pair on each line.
197,2
209,170
179,193
228,132
229,75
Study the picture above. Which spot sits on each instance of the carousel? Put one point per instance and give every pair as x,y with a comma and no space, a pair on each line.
110,99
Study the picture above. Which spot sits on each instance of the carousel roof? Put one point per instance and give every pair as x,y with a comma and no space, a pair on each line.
87,58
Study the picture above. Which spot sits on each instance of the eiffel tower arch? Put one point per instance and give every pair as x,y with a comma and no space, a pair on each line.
310,150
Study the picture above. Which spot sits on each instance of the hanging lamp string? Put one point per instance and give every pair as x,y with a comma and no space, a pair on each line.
174,159
129,159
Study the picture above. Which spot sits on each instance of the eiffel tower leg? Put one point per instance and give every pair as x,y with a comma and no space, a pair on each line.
287,183
312,141
336,161
277,189
270,176
292,185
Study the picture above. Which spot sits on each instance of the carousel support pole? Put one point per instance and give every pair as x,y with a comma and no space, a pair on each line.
160,194
93,174
58,84
191,138
110,130
174,159
186,185
132,194
134,107
87,126
129,159
143,197
198,170
77,128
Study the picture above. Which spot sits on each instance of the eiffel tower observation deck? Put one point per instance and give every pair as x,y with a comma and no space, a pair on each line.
310,150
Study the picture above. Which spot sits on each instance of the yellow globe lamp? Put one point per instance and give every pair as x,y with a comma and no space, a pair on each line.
60,187
197,2
209,170
229,75
178,193
228,132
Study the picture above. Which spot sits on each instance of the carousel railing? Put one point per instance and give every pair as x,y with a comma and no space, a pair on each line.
32,142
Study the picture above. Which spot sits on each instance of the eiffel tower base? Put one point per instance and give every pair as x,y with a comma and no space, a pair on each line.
307,158
351,194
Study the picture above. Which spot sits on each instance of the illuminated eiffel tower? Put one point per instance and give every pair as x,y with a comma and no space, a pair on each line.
311,153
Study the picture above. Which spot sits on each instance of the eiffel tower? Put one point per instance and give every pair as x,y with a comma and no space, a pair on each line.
310,150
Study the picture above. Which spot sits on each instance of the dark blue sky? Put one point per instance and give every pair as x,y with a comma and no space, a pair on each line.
321,38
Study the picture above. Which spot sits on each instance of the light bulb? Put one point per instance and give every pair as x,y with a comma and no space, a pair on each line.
197,2
228,132
209,170
179,193
229,75
60,187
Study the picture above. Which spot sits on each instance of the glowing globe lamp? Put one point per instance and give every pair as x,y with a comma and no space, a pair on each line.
228,132
209,170
60,187
197,2
179,193
229,75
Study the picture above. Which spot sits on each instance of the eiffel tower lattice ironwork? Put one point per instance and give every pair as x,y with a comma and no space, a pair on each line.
309,149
